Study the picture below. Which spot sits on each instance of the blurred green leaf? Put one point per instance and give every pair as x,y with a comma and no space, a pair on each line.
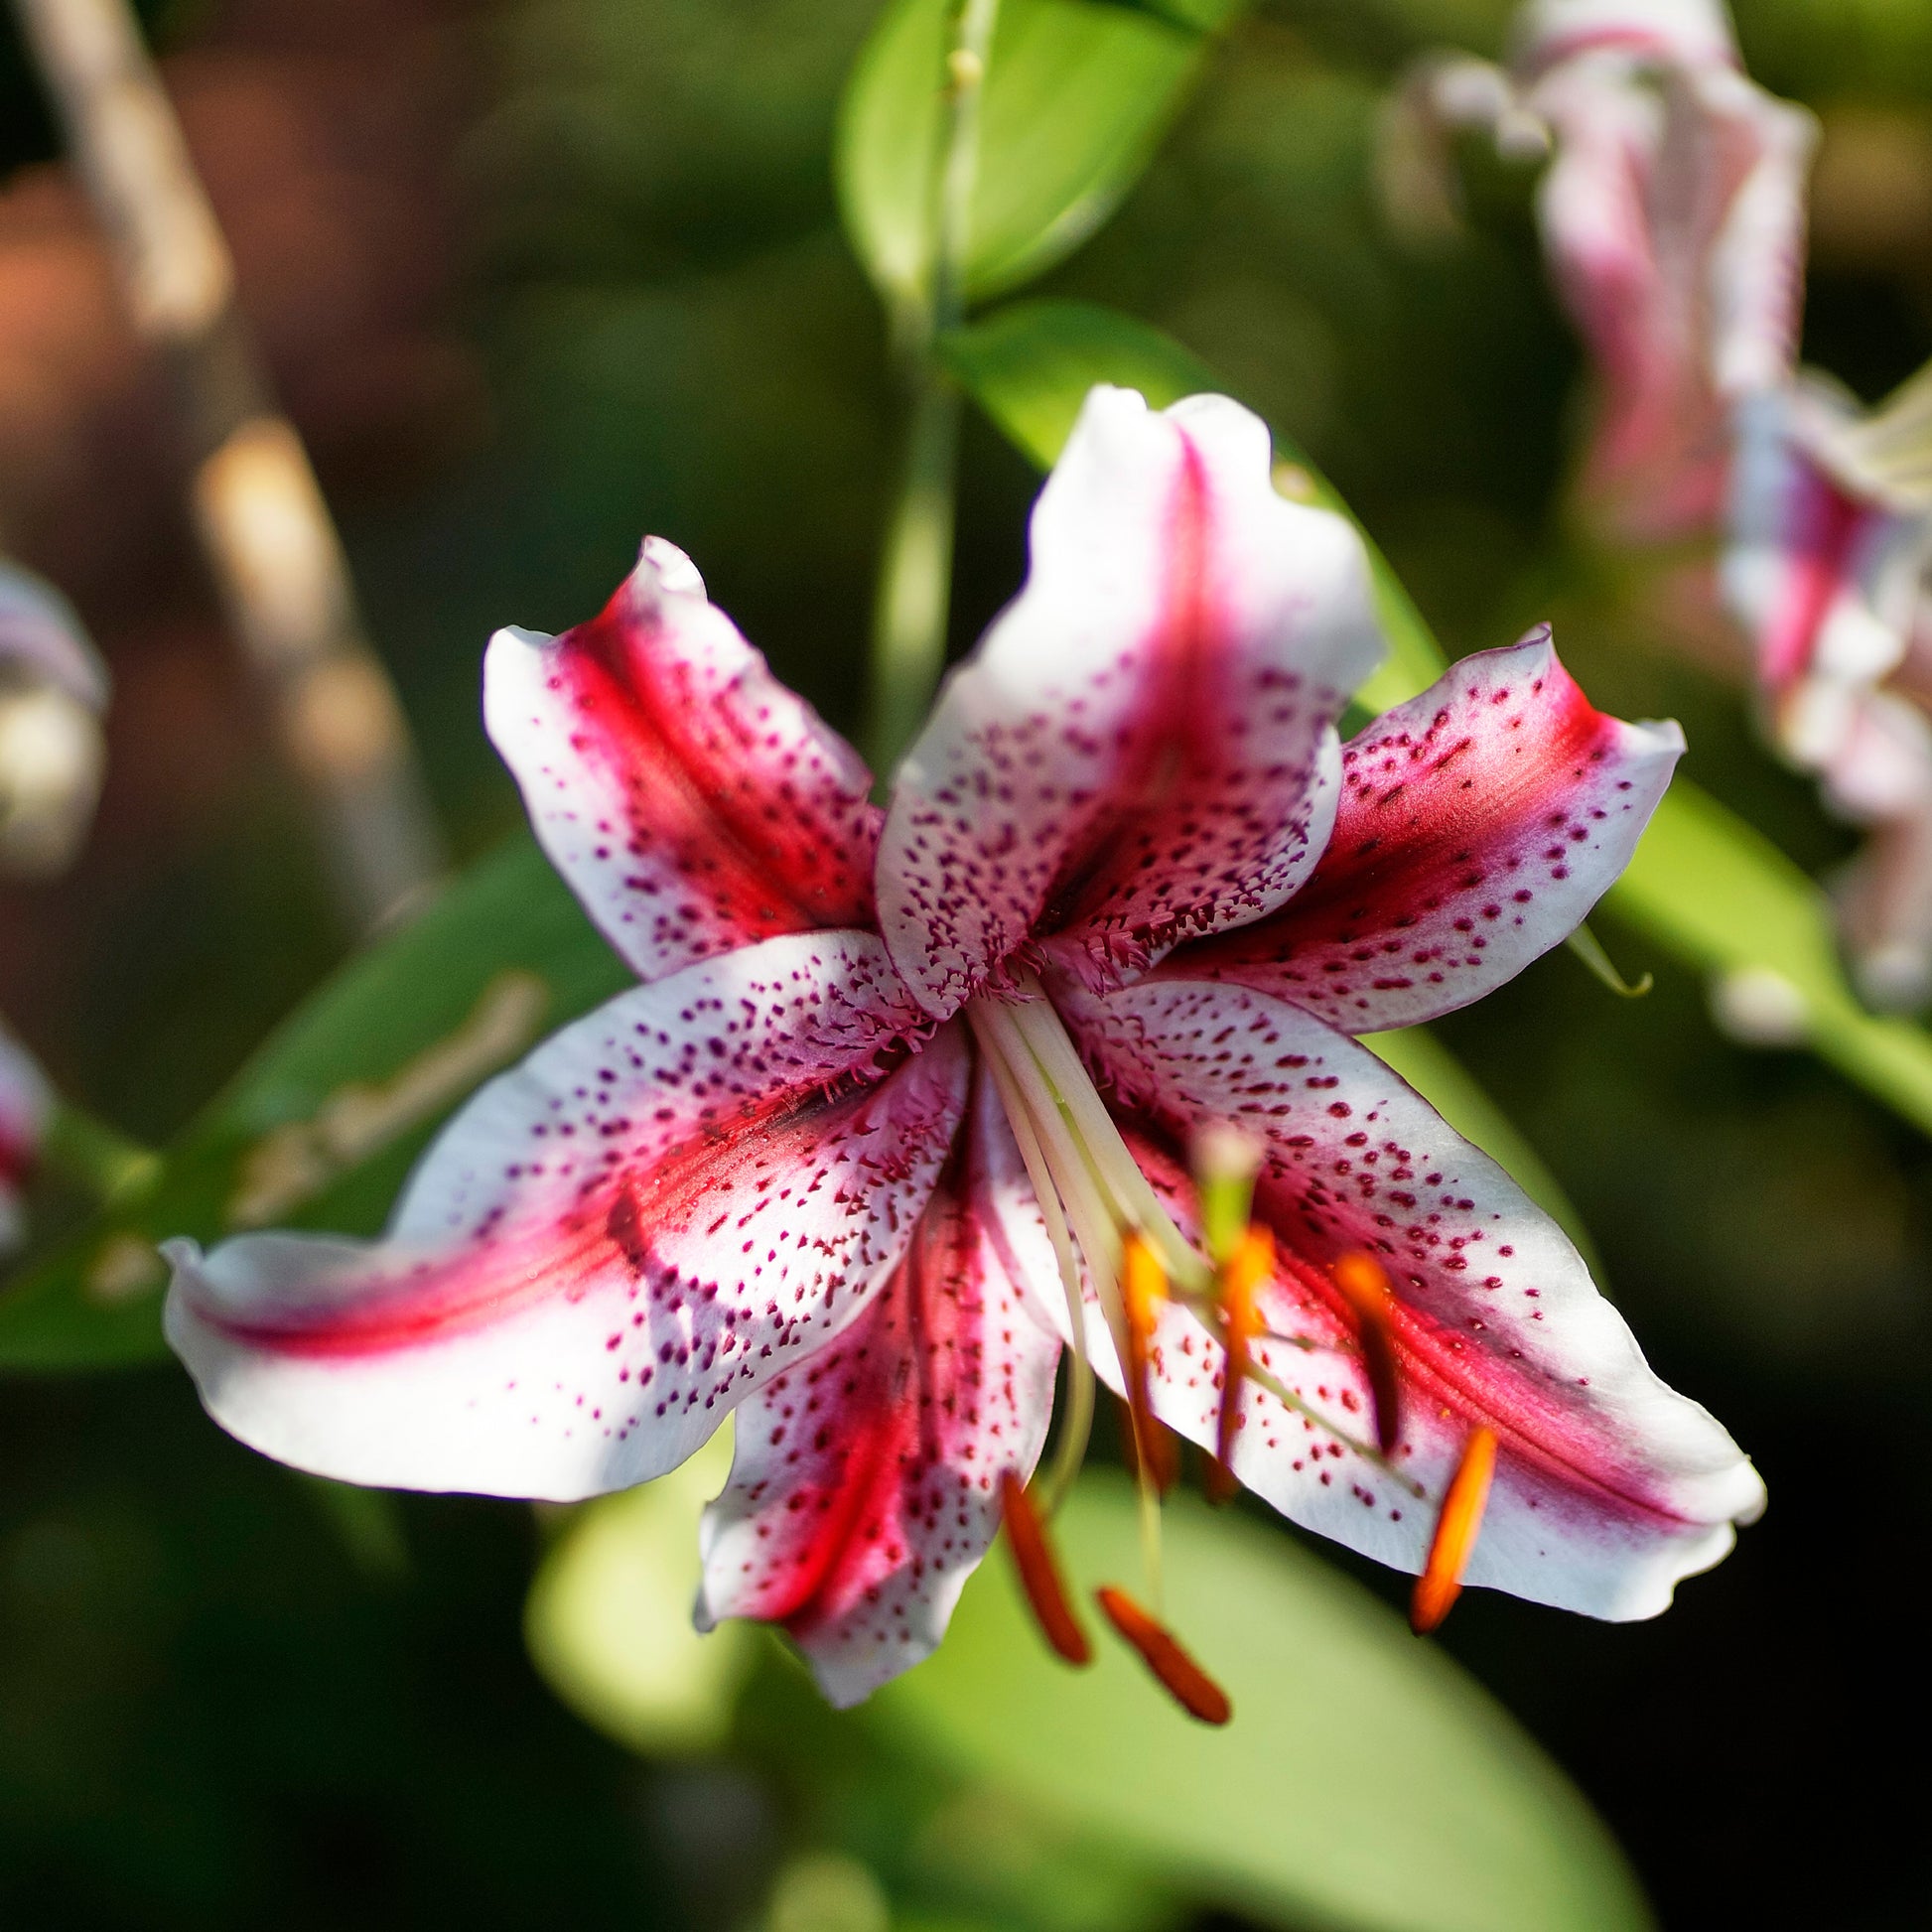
609,1617
1704,883
1078,93
1723,899
1365,1781
320,1125
1029,366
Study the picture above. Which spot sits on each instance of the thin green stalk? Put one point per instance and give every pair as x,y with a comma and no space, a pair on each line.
914,595
93,1155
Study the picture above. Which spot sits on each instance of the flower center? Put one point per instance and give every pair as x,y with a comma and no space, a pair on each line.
1099,1209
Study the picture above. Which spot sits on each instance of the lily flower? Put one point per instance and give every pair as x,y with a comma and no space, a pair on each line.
1828,570
907,1094
52,691
1671,215
24,1104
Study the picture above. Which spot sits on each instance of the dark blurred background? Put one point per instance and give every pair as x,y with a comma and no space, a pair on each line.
538,276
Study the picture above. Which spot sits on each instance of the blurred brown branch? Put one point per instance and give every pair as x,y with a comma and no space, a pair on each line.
267,535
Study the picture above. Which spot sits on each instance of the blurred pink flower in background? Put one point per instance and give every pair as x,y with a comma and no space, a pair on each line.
24,1104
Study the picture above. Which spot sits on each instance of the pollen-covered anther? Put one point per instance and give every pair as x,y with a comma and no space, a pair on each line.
1365,1288
1040,1574
1144,1287
1185,1682
1249,1266
1454,1541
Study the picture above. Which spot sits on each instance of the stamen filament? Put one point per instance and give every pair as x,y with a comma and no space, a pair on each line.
1440,1582
1365,1288
1077,1425
1119,1173
1086,1209
1190,1687
1040,1575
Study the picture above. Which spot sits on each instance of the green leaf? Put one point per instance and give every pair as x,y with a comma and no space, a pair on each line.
1029,366
1078,94
1705,884
609,1617
1365,1781
1721,897
320,1127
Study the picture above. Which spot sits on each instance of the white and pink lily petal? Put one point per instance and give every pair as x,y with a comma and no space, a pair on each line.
864,1482
692,802
26,1100
1478,824
1609,1488
1142,750
664,1209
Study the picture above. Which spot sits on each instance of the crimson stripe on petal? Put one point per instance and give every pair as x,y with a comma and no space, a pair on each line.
609,1248
1610,1487
1140,749
1478,824
865,1482
693,802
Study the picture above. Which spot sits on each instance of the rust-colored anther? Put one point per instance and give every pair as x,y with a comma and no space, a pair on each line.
1189,1686
1248,1268
1440,1582
1365,1288
1144,1287
1039,1575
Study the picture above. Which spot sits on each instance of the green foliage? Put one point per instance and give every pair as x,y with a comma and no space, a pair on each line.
319,1128
1364,1781
1078,94
1721,896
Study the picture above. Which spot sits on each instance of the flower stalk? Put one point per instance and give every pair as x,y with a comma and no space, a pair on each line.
908,644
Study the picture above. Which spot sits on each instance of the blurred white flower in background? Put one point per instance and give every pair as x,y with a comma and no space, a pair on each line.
52,691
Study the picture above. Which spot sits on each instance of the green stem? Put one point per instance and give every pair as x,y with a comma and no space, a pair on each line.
91,1153
908,644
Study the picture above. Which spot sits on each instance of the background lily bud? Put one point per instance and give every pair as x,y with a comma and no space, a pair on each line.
52,691
24,1104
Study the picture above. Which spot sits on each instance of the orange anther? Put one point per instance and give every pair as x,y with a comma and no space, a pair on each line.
1190,1687
1039,1575
1440,1582
1249,1267
1144,1287
1365,1288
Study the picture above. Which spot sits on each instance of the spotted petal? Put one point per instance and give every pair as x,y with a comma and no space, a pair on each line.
1478,824
693,802
1140,749
1610,1487
865,1484
665,1205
